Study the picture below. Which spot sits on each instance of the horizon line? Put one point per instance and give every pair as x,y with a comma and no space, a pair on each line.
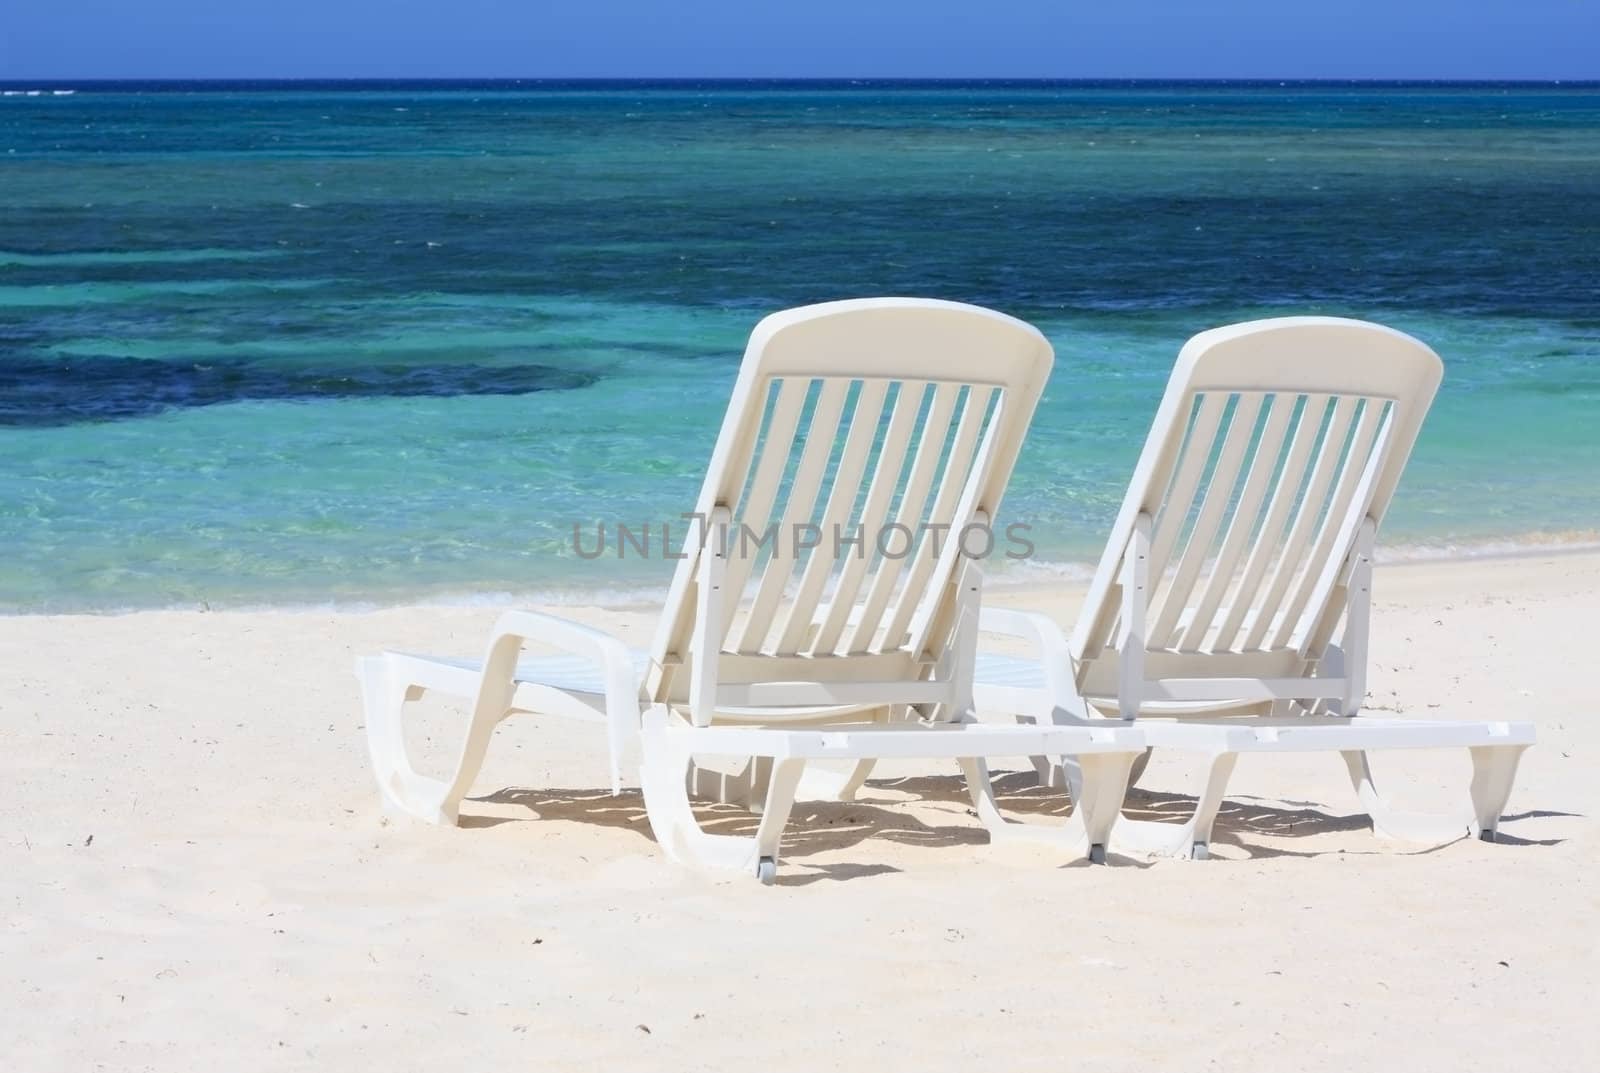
835,80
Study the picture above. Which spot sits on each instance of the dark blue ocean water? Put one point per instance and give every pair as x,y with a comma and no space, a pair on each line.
298,343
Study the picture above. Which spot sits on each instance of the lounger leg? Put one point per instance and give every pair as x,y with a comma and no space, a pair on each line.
832,790
1140,762
1064,772
682,839
1494,769
857,779
384,695
1053,772
976,773
1049,770
1388,822
746,787
382,700
1104,779
1193,837
780,801
822,784
1210,801
1073,836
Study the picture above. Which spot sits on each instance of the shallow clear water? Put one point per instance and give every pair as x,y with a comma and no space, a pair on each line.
267,345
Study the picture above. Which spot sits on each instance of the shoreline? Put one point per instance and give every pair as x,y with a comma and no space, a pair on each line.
1071,577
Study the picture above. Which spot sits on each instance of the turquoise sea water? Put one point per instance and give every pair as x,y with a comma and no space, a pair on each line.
323,343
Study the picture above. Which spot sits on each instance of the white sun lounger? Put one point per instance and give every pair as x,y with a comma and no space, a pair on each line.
848,419
1229,613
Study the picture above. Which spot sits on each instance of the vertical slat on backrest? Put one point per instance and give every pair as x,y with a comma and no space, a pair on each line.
1291,478
841,500
892,455
1328,455
952,486
935,620
930,448
1179,478
1185,482
756,508
745,453
1102,630
1325,614
1218,494
1242,526
1338,525
821,436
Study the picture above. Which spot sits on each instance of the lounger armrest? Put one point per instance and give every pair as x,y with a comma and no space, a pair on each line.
1050,647
608,654
597,646
1047,638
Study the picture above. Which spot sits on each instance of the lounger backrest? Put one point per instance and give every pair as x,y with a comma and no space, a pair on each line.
873,430
1276,441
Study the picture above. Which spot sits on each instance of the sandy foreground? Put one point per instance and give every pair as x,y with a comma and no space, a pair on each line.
195,874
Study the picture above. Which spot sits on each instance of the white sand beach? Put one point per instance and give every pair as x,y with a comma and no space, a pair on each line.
195,874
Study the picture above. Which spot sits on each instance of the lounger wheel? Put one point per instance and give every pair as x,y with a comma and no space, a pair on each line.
1200,851
767,871
1487,835
1097,853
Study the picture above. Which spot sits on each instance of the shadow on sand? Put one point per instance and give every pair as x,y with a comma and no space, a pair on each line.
943,817
883,812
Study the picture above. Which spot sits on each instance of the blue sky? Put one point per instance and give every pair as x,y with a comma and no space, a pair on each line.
800,38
